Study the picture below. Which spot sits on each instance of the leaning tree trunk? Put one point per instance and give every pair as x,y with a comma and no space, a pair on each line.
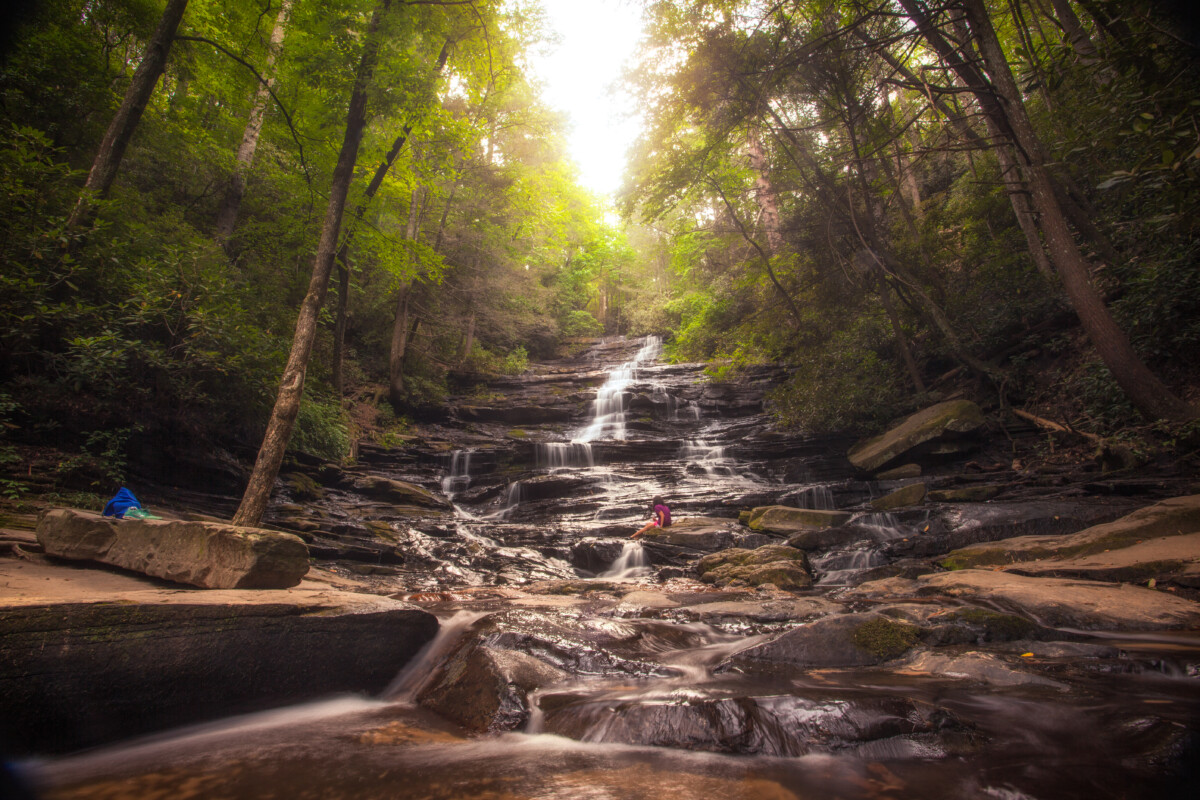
291,386
343,255
1148,394
120,130
231,203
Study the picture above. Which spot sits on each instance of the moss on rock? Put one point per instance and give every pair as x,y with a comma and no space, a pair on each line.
885,638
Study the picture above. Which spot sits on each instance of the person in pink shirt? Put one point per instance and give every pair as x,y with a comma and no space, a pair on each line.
662,518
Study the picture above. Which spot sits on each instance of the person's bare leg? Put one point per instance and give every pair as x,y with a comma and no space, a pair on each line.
638,535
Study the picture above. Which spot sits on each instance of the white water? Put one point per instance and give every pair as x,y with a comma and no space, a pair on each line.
555,456
608,409
421,669
460,473
632,563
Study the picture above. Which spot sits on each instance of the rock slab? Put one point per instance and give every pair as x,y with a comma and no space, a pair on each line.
930,427
210,555
1064,603
79,674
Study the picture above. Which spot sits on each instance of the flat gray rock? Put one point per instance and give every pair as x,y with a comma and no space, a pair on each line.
211,555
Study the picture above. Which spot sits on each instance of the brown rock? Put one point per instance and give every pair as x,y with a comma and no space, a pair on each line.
909,495
935,429
784,520
1059,602
205,554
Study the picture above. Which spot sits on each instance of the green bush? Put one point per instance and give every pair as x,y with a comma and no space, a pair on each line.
580,323
322,430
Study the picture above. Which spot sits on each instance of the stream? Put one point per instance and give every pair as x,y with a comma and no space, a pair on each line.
574,663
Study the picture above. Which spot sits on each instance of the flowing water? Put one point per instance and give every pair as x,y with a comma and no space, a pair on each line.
653,698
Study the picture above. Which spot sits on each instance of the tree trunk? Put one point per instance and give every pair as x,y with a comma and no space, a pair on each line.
1074,32
400,323
885,296
343,255
399,348
291,386
232,201
1143,388
469,337
764,194
120,130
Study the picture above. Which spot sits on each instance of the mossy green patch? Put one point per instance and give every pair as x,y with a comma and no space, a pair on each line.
517,433
996,627
885,638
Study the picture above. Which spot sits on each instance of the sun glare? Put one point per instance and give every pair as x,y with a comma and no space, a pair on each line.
597,37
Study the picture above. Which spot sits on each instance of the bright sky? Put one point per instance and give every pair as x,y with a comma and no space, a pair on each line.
598,36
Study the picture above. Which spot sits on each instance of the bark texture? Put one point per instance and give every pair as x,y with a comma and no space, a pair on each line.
120,130
231,203
291,386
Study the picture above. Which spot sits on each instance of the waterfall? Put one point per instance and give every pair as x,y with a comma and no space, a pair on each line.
512,498
632,563
460,473
710,458
814,497
608,409
554,456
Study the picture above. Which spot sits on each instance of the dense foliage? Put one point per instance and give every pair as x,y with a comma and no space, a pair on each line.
166,317
896,198
835,183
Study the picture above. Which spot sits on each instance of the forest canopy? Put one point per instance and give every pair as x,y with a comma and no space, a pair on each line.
895,199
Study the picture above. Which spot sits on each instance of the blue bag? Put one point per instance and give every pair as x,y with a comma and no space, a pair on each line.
122,501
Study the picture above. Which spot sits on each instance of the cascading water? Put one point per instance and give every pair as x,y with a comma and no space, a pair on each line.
632,563
459,477
608,409
554,456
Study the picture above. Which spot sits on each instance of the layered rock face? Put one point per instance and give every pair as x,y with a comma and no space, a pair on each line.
124,658
205,554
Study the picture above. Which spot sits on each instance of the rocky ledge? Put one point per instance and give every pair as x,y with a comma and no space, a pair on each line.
88,656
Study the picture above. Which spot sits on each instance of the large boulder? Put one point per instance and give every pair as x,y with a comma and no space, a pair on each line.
92,656
705,534
486,689
1174,559
785,567
1175,517
1060,602
390,490
784,520
210,555
923,432
910,495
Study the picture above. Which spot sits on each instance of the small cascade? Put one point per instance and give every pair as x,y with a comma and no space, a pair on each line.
818,498
632,563
838,566
421,669
512,499
660,396
555,456
460,473
883,526
608,409
710,458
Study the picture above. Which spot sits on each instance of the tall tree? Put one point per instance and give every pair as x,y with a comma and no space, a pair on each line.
291,386
124,123
1001,99
231,201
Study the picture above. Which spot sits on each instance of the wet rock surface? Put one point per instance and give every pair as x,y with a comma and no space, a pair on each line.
830,654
